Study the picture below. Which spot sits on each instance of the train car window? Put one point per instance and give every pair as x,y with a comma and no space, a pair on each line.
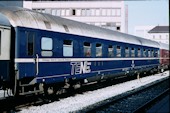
152,53
0,42
156,53
46,46
110,51
149,53
126,52
144,53
139,52
118,51
67,48
132,52
87,49
98,50
30,43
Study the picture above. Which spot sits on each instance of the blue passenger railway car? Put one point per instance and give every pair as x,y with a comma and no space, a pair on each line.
38,51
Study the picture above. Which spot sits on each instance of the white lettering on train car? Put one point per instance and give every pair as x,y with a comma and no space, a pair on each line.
80,67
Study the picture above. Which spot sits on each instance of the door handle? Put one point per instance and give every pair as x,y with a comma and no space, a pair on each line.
37,64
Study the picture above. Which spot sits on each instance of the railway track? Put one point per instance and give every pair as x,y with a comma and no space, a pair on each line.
136,101
9,104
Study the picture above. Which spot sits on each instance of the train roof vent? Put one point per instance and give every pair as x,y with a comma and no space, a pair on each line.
47,25
66,28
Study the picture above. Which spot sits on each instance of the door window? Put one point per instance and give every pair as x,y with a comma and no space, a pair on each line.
30,43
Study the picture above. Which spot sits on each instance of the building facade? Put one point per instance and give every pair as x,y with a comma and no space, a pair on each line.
160,34
104,13
156,33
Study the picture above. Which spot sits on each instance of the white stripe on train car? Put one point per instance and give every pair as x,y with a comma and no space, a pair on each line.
29,60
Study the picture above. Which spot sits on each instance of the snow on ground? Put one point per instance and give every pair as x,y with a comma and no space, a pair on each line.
81,101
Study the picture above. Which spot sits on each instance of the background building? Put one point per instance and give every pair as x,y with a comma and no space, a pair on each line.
105,13
160,34
156,33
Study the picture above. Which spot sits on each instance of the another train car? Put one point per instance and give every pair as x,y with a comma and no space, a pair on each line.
38,51
164,56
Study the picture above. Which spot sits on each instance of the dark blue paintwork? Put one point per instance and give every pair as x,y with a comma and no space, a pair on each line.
62,68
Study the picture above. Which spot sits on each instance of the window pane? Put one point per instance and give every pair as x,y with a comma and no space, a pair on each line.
149,53
139,52
67,12
118,12
53,12
63,12
30,43
132,52
87,49
113,12
110,51
103,12
92,12
67,48
98,50
58,12
118,50
127,52
97,12
46,43
78,12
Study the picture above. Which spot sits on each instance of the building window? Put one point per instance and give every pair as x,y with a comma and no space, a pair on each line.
30,43
97,12
58,12
67,48
63,12
153,36
159,36
118,51
113,12
93,12
88,12
110,51
118,28
118,12
46,46
67,12
98,50
54,12
78,12
108,12
104,12
87,49
73,12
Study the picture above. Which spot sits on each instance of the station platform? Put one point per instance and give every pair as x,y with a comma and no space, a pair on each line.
162,106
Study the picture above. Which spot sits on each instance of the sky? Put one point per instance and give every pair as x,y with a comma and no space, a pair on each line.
147,12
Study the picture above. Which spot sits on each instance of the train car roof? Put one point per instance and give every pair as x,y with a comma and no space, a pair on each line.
164,46
27,18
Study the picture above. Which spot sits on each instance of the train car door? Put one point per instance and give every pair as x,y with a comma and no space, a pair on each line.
5,45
